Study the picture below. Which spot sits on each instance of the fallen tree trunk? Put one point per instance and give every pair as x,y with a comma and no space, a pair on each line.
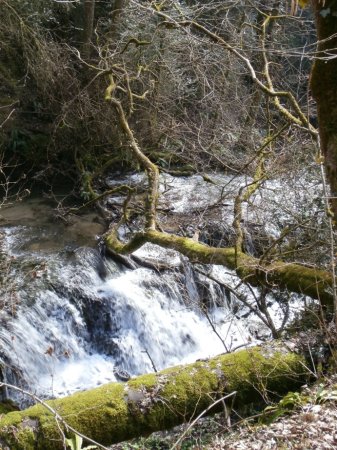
120,411
298,278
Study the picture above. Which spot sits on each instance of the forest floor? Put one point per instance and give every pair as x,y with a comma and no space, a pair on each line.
301,421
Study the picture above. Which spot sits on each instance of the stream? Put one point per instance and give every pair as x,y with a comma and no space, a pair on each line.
70,317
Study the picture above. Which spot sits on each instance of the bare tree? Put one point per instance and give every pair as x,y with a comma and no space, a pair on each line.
294,277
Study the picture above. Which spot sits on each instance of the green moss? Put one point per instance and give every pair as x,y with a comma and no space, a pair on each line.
27,438
89,412
295,277
7,406
143,381
120,411
185,394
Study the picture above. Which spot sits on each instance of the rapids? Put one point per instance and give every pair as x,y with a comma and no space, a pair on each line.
70,316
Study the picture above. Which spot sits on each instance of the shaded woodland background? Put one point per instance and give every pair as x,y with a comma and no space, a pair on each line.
91,91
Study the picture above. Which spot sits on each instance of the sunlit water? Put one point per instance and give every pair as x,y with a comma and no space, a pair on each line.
65,327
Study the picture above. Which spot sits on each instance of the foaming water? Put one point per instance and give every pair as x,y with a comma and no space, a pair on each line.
69,316
157,320
73,327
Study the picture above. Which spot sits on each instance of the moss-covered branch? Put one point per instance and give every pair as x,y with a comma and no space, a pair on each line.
146,163
116,412
244,195
294,114
295,277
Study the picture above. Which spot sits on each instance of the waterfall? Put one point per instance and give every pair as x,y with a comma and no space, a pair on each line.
69,316
80,316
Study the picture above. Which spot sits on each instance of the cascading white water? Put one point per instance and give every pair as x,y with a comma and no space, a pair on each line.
77,327
68,318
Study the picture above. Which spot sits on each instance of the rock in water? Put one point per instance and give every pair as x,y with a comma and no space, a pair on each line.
121,374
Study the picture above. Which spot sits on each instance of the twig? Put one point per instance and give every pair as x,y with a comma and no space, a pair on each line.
220,400
7,118
299,119
204,310
241,297
152,363
99,197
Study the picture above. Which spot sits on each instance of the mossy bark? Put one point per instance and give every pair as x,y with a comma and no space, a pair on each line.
295,277
324,89
120,411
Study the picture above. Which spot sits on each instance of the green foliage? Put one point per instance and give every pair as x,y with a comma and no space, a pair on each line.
152,443
199,438
291,401
288,403
324,394
30,146
75,443
296,400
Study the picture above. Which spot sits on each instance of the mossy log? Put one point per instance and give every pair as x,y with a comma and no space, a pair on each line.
120,411
295,277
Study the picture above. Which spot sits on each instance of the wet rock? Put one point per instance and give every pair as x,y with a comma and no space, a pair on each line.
93,258
121,374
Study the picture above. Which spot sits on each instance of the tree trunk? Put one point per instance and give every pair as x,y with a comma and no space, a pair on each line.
119,5
120,411
88,26
324,89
